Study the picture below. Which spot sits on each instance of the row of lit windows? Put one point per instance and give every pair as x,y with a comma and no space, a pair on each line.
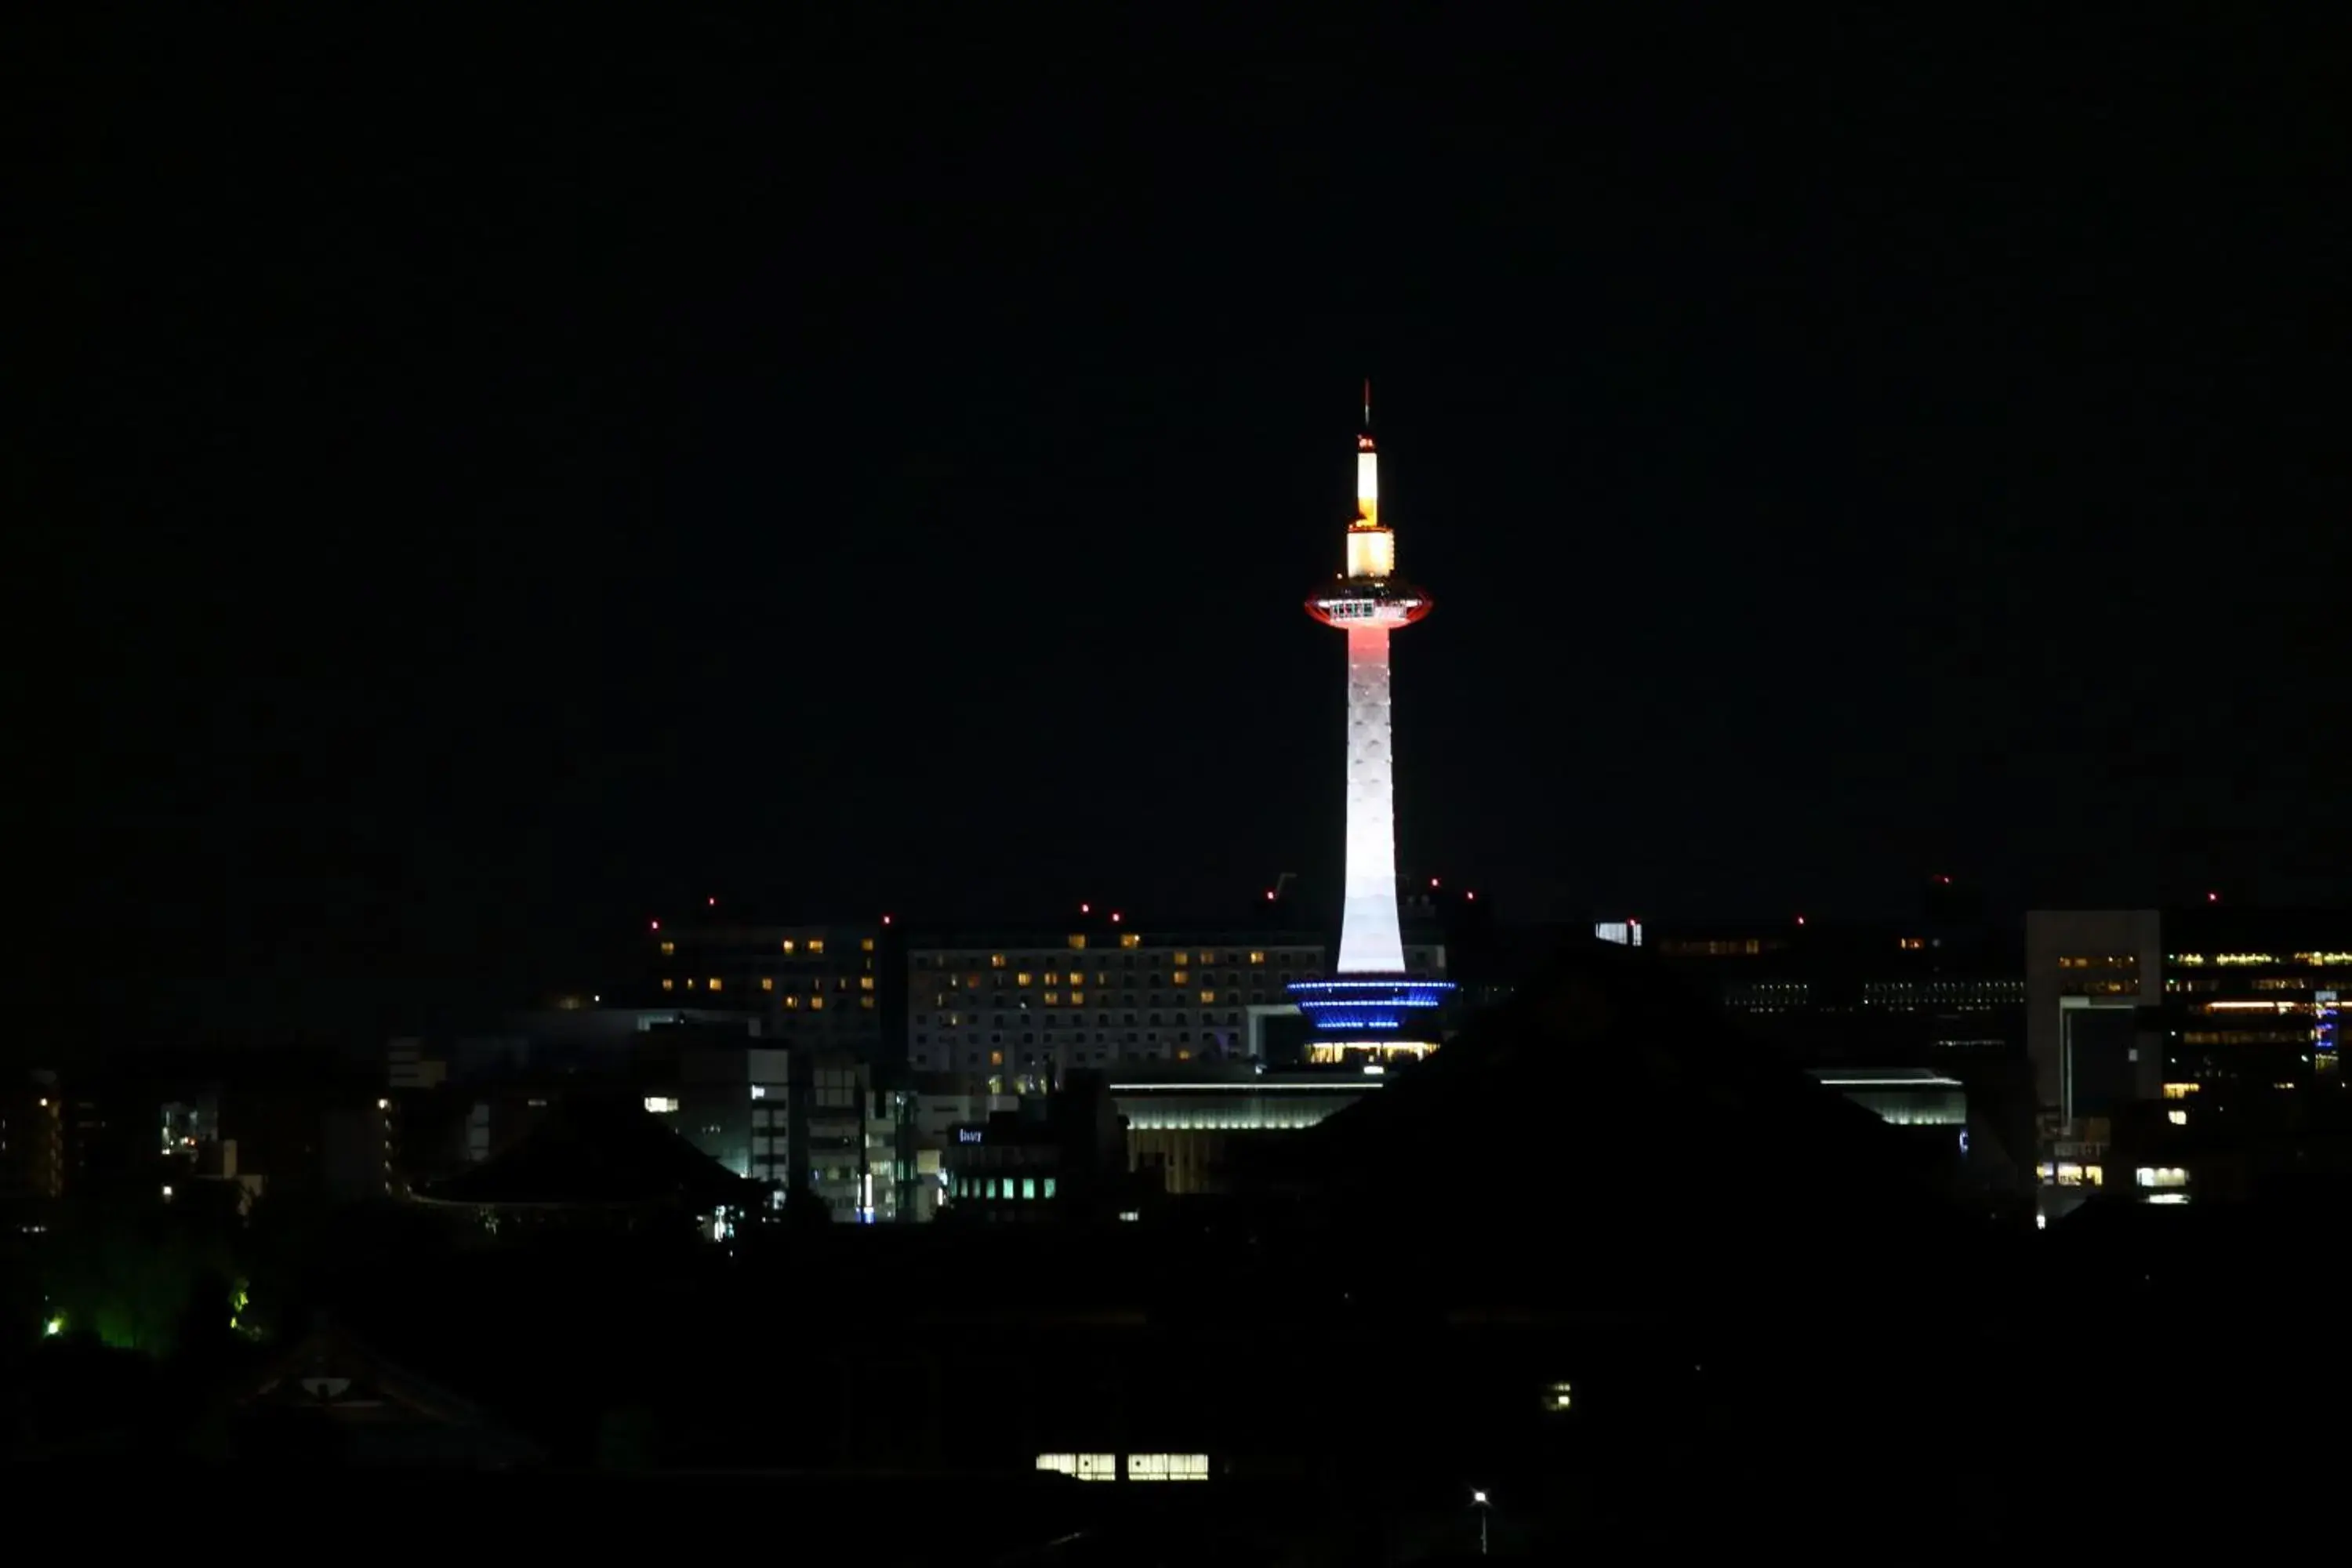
1139,1467
2246,1038
768,983
1000,961
1024,979
2194,959
2109,962
1031,1189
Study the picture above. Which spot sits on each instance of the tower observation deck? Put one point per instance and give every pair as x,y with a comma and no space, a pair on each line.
1370,1005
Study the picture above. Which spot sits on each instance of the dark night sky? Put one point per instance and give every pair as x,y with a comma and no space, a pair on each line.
488,489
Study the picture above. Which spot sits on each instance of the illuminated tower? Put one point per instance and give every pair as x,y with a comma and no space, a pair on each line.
1369,1004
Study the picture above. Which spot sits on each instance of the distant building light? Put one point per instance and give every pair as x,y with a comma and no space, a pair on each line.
661,1104
1470,895
710,903
654,924
1114,917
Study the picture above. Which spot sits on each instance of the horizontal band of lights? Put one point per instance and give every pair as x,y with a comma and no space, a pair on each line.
1307,987
1219,1090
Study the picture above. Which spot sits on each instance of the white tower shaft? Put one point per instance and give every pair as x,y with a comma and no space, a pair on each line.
1369,940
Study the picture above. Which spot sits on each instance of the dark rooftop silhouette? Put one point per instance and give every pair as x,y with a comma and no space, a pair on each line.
594,1151
1606,1137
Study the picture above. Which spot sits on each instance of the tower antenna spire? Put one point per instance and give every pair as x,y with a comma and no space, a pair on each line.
1368,403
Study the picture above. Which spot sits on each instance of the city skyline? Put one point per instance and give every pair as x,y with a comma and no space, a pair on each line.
522,529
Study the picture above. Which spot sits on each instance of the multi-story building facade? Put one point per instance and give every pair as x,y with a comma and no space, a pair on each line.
794,1119
2182,1051
32,1140
1020,1007
811,986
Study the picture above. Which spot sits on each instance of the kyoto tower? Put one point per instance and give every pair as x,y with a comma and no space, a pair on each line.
1369,1004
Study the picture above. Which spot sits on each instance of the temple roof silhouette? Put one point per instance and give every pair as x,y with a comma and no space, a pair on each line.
333,1399
1607,1132
597,1151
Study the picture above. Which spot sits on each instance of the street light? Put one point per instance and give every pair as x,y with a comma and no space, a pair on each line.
1479,1500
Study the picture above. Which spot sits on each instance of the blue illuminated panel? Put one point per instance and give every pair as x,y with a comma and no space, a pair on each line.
1365,1006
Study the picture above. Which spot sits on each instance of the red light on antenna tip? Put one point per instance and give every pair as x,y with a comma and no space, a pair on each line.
1114,917
886,920
655,925
1269,895
1800,920
2212,897
1085,909
1433,882
1469,895
710,903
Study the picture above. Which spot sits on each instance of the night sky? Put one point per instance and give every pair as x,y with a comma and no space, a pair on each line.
487,491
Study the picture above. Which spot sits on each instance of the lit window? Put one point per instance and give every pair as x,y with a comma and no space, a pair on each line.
1208,958
816,946
717,984
1558,1396
995,961
1052,998
1023,978
767,982
865,1001
788,944
2178,1117
1077,998
1257,958
668,947
1077,941
1167,1466
1208,999
1183,1056
865,982
1179,978
793,1002
865,945
660,1104
1182,959
816,1003
996,1058
1131,940
1085,1466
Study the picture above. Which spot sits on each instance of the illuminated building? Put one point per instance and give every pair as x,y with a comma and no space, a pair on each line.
1016,1008
810,986
1369,1004
2184,1052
